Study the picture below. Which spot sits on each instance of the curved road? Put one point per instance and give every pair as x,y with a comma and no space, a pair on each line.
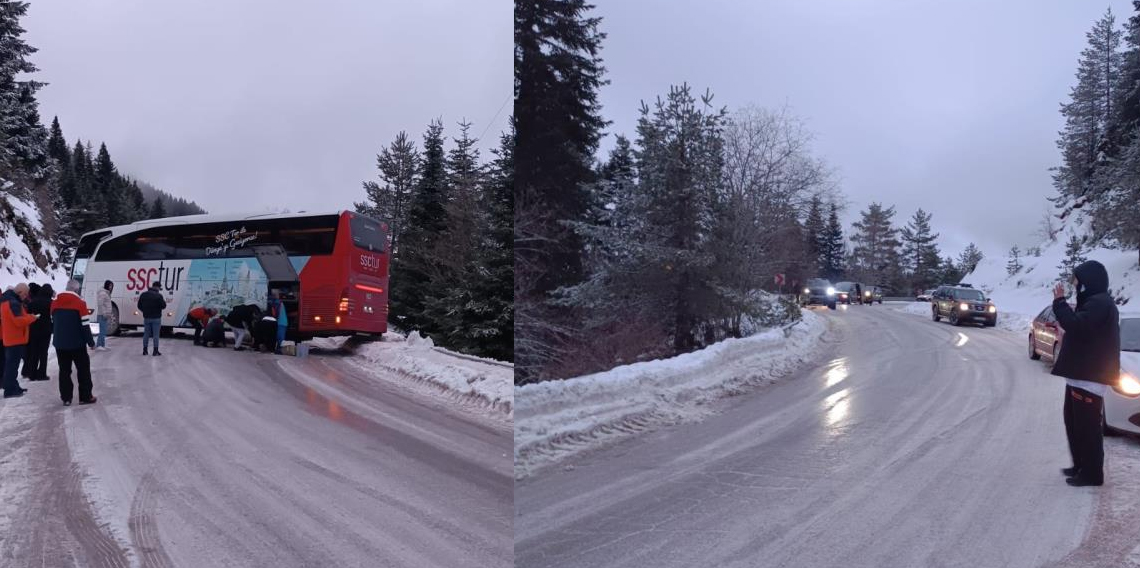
910,444
214,458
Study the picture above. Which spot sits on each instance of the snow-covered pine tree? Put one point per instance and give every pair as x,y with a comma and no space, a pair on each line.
110,185
24,145
389,198
835,247
497,259
920,250
875,255
426,220
815,234
1014,265
1074,256
616,177
969,259
1088,114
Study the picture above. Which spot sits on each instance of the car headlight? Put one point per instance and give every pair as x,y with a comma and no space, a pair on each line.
1128,385
866,293
993,309
964,307
831,291
807,290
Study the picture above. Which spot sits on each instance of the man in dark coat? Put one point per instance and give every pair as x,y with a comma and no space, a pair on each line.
33,293
40,334
151,303
242,320
265,334
1089,361
72,338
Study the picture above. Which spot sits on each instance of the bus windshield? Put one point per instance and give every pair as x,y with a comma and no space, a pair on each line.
83,253
368,234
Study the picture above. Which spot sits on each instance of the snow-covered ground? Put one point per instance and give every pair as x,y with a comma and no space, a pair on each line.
464,378
556,420
17,263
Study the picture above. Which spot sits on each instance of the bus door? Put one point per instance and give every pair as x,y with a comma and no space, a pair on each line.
283,279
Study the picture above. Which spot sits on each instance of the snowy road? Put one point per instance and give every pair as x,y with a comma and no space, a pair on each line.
242,459
910,444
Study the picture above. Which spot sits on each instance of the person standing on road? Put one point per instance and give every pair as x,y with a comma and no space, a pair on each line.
277,310
72,338
1089,361
33,292
104,311
15,326
151,303
40,333
199,317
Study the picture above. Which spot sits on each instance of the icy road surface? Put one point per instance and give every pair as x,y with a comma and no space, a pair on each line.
207,457
910,444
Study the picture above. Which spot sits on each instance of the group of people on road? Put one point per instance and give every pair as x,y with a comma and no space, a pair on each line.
266,328
33,317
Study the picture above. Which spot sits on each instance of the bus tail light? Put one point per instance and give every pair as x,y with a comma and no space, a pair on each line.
370,289
345,303
338,320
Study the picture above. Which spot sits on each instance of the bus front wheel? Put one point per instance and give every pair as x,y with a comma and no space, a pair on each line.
113,327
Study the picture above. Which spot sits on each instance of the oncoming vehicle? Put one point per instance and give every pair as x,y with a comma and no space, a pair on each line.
926,296
330,269
962,305
1122,400
849,292
818,291
873,294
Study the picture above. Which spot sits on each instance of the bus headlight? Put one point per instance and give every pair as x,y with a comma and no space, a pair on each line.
830,291
964,307
1128,385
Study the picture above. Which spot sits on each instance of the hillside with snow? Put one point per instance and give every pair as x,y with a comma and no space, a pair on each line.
26,252
1021,296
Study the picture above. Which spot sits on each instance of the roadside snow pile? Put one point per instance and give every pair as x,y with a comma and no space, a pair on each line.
555,420
469,379
20,224
1019,298
914,308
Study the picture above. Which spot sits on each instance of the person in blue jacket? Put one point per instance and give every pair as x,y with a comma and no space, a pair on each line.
277,310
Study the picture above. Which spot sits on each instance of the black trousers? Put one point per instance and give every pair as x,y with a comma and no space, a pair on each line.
35,362
1084,427
198,329
82,362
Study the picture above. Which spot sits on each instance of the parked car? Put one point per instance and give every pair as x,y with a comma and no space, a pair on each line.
926,295
849,293
818,291
963,305
1122,401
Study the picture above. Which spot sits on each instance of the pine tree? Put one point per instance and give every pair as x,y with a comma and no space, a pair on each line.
57,144
815,232
1014,265
920,250
497,259
1089,113
969,259
158,210
427,218
616,179
558,73
389,198
1074,256
141,210
835,248
24,138
876,246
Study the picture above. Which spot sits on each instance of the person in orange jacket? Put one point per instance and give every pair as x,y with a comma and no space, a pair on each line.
14,324
199,317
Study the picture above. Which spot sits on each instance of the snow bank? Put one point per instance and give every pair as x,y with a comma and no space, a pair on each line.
556,420
489,384
17,262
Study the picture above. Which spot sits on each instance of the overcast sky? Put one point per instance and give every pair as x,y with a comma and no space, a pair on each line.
948,106
247,104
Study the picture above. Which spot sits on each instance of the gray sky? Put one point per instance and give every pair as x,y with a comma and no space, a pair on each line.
909,99
243,105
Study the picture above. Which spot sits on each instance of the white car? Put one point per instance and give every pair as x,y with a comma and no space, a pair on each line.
1122,402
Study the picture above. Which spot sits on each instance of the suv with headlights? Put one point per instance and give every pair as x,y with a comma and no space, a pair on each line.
960,305
818,291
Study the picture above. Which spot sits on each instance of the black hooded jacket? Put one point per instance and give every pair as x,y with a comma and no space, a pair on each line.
1090,350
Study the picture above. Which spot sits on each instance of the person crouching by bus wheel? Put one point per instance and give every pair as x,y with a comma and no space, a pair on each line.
104,311
39,339
151,303
199,317
72,338
242,320
265,334
215,333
